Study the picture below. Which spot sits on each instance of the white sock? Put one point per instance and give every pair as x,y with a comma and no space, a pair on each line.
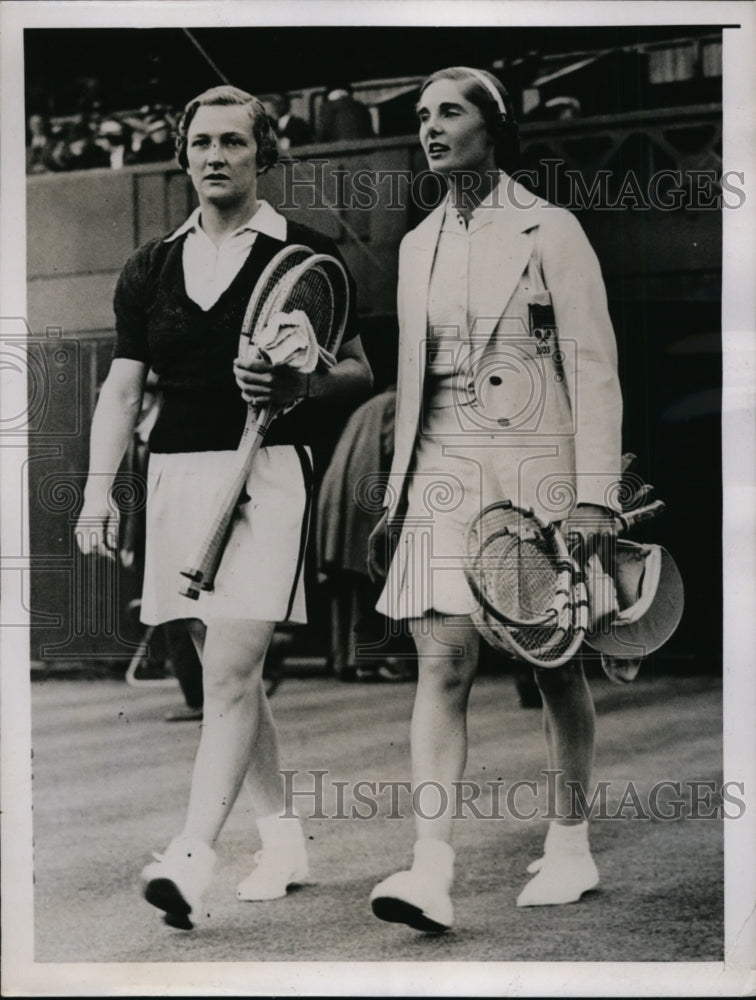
434,857
281,834
566,837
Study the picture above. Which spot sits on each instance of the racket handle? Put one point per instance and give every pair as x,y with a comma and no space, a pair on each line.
201,572
189,590
633,517
602,594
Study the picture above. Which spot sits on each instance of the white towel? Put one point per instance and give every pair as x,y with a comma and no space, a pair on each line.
289,339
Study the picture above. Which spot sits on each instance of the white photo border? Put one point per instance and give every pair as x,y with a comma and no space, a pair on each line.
21,975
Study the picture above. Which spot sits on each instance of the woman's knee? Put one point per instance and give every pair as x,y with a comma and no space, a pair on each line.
232,675
231,684
448,674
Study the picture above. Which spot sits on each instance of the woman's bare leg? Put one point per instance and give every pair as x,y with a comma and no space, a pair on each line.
233,741
447,657
567,869
569,728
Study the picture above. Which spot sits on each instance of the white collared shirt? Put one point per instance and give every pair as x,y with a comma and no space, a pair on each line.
456,290
209,270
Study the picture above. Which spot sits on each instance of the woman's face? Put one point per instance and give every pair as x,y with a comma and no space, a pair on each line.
452,131
222,154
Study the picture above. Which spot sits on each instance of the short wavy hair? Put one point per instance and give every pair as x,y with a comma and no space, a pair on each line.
265,137
502,127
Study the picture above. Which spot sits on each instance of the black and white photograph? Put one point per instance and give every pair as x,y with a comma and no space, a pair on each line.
378,468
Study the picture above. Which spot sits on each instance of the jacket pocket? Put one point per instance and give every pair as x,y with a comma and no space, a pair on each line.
542,323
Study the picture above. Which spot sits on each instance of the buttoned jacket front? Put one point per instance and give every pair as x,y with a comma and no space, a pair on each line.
540,391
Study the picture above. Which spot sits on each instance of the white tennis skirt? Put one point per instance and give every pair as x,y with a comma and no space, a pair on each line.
261,574
427,572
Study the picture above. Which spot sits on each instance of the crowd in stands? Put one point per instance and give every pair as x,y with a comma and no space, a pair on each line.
94,139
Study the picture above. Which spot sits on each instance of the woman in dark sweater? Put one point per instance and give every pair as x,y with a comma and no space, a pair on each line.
179,306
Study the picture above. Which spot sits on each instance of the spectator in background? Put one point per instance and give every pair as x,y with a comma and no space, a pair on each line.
38,145
139,123
343,117
157,145
347,513
114,141
187,667
556,109
290,129
60,154
563,107
93,117
154,112
83,152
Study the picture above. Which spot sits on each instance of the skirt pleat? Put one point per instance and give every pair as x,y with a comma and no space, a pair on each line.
428,569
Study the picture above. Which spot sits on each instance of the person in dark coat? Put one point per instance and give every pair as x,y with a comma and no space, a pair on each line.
83,152
38,145
347,514
342,116
157,146
290,129
113,138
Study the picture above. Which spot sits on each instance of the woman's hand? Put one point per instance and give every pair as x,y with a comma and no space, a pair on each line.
97,530
262,384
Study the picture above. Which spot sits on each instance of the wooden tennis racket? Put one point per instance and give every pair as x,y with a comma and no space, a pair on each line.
531,589
296,279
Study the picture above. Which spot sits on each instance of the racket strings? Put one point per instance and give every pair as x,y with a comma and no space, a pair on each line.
261,300
518,577
313,294
541,645
532,605
516,566
318,287
556,639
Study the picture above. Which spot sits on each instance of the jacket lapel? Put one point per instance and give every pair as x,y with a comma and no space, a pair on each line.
416,263
503,268
418,267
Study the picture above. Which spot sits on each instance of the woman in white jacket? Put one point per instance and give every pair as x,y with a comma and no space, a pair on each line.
507,389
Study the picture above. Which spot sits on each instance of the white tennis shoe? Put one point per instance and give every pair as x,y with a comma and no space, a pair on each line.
413,898
176,881
275,871
565,871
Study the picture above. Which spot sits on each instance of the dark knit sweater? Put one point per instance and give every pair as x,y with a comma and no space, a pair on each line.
192,351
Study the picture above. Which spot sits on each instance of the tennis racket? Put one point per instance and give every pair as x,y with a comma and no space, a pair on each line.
531,590
296,279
